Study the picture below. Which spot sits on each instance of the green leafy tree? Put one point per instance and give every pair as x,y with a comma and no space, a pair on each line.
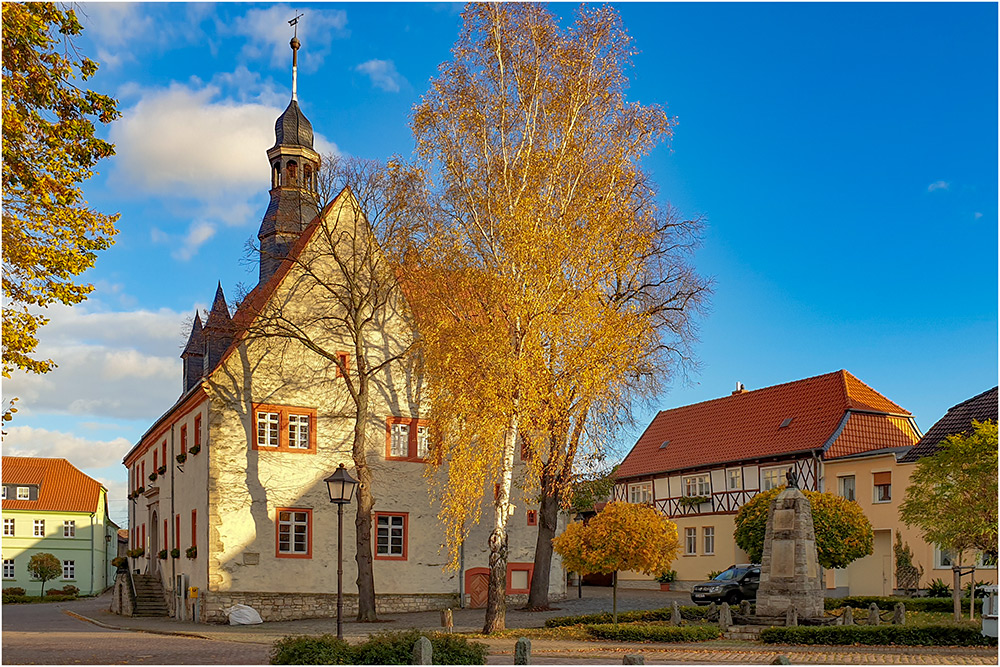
588,490
44,567
843,532
952,496
50,235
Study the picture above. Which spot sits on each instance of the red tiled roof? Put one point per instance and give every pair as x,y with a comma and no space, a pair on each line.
981,407
865,432
61,487
747,425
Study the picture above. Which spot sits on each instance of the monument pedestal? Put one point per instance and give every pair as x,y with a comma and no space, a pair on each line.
790,573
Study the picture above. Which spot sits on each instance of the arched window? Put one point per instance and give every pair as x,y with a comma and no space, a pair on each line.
292,169
275,174
307,176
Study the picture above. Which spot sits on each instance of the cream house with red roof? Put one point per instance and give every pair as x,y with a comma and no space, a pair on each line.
49,506
699,463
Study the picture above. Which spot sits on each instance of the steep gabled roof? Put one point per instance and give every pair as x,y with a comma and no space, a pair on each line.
61,487
835,411
196,343
958,419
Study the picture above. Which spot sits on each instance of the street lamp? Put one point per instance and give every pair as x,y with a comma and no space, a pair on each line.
341,487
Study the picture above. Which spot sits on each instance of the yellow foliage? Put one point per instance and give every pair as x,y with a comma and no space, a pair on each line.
623,536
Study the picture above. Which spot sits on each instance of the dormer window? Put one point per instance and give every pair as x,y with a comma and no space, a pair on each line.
307,179
4,494
275,174
23,493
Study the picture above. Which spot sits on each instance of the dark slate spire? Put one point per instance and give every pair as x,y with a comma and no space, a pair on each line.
218,332
194,355
294,166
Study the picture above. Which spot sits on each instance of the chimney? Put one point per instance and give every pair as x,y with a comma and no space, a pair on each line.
740,389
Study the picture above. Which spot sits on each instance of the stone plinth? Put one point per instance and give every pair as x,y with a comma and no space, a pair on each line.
789,573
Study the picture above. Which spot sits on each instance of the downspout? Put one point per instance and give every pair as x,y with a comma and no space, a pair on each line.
173,523
93,560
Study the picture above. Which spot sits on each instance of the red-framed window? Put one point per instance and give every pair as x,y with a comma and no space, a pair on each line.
345,359
142,479
532,517
391,535
184,439
156,460
197,431
519,577
177,531
284,428
194,528
164,452
407,439
166,535
142,545
293,537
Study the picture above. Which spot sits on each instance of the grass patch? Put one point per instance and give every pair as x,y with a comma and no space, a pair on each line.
943,605
651,632
648,616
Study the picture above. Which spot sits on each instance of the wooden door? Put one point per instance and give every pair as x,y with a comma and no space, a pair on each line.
477,582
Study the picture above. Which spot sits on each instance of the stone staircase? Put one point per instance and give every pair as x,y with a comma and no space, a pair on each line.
744,632
149,600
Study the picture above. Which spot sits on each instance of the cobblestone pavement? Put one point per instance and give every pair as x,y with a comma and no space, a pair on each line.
545,651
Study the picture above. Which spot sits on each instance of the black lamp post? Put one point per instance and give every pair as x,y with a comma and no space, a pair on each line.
341,487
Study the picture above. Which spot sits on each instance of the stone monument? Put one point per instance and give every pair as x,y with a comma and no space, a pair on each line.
789,573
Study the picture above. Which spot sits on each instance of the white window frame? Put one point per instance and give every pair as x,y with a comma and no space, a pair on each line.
765,474
39,528
640,493
23,493
841,491
8,528
69,528
734,479
8,568
939,558
293,522
399,441
69,570
876,499
697,485
708,539
423,442
390,536
298,431
3,494
268,429
690,541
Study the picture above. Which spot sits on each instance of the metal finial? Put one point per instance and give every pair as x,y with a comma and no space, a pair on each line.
295,44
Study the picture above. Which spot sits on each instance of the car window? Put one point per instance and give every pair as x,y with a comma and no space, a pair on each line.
725,576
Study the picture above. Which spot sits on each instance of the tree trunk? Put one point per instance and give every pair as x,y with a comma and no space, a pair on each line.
366,502
496,597
548,516
614,598
956,593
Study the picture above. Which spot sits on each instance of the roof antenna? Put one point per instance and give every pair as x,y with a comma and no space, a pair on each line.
295,44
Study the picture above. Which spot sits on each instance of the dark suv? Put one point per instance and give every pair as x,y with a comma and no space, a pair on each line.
739,582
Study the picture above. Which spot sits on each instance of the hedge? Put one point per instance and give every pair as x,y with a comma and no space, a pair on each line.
385,648
887,603
663,614
874,635
639,632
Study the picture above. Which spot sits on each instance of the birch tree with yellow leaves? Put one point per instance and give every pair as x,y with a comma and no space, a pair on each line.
546,281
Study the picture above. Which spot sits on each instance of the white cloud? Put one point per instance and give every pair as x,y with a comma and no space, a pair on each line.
198,234
383,74
269,33
81,452
977,215
938,185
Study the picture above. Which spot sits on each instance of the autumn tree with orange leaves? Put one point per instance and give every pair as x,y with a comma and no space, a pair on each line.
623,536
552,286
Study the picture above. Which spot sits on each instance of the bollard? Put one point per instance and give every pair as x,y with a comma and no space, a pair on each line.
791,617
781,660
522,651
848,616
873,618
446,620
745,607
633,659
675,613
422,652
725,617
899,614
712,612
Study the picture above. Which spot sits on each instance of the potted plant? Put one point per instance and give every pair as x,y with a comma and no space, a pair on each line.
194,450
141,490
175,553
192,552
120,563
181,458
152,476
693,501
664,578
135,553
162,469
162,554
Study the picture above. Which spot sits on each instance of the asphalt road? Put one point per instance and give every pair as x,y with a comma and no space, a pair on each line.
43,634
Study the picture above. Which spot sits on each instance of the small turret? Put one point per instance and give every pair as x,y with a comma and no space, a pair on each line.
194,355
218,332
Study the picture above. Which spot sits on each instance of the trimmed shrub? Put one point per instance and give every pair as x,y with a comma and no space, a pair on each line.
640,632
663,614
384,648
16,599
70,589
874,635
943,605
14,590
322,650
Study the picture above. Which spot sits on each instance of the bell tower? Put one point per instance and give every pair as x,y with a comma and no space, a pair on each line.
294,167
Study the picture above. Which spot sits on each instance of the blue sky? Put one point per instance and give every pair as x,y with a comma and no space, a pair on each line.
844,156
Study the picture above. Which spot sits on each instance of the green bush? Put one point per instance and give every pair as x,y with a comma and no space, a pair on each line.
70,589
939,589
14,590
874,635
640,632
943,605
9,598
385,648
663,614
323,650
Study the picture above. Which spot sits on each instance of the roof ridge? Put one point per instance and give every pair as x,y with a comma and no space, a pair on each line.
752,391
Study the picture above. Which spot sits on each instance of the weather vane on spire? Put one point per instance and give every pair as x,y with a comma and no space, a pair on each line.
295,54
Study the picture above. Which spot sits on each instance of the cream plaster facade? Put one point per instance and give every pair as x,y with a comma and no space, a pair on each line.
235,487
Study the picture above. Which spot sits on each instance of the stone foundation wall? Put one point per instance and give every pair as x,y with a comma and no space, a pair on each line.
293,606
